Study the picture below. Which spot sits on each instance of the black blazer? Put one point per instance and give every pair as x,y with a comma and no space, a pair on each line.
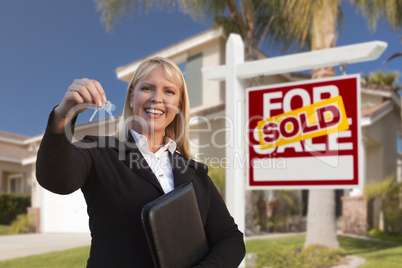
117,182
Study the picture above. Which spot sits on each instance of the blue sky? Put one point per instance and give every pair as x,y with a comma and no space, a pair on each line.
46,44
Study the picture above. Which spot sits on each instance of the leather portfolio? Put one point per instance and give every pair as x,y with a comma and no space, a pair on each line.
174,230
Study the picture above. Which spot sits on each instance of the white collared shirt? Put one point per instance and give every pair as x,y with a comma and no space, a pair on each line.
159,162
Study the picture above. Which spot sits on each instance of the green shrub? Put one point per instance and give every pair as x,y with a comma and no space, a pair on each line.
321,256
217,175
388,191
284,205
12,205
314,256
22,225
380,234
278,256
5,229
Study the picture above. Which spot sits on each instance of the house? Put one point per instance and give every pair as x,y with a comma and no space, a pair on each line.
17,162
381,126
380,121
55,213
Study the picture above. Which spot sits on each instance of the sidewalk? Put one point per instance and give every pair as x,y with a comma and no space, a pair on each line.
23,245
272,235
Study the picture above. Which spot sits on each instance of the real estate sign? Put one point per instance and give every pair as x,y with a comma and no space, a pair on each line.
305,134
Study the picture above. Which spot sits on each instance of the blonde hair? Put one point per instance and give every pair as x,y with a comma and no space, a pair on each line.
177,130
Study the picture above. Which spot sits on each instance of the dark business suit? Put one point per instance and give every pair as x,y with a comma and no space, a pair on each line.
117,182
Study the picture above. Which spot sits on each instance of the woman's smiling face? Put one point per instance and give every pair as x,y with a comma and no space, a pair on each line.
155,101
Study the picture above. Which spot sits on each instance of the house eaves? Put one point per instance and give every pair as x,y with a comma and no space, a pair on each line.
124,72
13,154
375,92
207,115
23,162
385,91
371,115
10,160
18,139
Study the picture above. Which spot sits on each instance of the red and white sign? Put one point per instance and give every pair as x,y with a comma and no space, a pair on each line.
305,135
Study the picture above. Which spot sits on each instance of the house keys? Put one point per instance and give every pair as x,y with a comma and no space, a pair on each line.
108,107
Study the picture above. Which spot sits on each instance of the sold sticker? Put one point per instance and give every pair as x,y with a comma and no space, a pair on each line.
315,120
305,134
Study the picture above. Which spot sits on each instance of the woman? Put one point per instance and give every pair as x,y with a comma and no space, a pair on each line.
148,157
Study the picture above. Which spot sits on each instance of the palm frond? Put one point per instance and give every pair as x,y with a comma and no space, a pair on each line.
393,56
299,15
203,9
229,25
273,27
382,78
113,10
373,10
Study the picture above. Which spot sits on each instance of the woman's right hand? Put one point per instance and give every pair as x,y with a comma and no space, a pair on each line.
81,91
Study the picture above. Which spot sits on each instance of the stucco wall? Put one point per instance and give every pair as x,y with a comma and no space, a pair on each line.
382,149
368,100
208,138
7,168
381,157
63,213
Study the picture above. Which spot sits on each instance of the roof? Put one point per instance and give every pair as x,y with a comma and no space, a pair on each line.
14,154
377,87
382,91
124,72
12,136
15,148
372,111
372,114
18,139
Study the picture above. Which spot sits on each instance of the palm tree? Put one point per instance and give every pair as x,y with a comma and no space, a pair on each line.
381,78
319,19
258,22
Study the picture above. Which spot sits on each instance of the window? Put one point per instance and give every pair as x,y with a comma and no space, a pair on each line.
182,67
191,70
194,79
15,183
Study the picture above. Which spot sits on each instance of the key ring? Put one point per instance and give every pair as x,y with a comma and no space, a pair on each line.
108,107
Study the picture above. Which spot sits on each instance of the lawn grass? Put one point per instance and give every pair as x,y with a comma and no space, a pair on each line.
260,245
377,254
5,229
73,258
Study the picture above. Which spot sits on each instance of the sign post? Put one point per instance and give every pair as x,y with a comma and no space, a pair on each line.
236,70
235,102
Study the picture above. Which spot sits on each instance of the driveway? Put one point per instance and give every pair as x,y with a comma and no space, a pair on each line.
17,246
